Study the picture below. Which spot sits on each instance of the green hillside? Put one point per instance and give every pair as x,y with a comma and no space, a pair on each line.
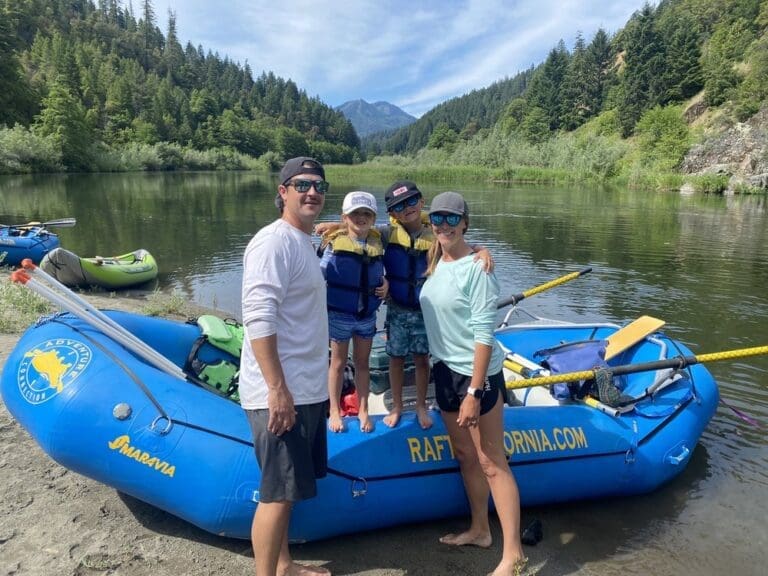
87,86
627,106
95,86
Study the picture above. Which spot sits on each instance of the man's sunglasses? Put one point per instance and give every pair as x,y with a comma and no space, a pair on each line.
303,186
438,219
400,206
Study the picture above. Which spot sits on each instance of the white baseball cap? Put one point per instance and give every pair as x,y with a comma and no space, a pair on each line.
356,200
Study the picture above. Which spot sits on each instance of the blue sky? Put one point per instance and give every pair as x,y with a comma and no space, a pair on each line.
414,54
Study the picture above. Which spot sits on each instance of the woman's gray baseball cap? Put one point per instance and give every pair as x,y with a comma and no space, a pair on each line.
450,202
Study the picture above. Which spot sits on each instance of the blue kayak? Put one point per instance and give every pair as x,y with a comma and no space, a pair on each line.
20,242
100,411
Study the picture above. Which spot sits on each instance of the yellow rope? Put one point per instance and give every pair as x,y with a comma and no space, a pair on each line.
554,379
731,354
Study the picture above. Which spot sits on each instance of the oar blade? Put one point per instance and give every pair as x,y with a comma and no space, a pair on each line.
58,223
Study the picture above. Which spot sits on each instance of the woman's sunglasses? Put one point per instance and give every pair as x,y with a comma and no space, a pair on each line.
412,201
438,219
303,186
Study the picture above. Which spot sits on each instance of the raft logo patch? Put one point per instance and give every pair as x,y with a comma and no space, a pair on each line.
48,368
122,444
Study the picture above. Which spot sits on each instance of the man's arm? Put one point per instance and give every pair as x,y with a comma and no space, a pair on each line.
282,414
322,228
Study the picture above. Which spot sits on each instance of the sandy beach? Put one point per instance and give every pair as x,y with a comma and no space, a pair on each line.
56,522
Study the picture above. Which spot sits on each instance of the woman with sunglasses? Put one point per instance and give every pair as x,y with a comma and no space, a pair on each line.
458,301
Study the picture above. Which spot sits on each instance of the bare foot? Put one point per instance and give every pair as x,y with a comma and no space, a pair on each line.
366,424
425,420
392,418
335,423
468,539
296,569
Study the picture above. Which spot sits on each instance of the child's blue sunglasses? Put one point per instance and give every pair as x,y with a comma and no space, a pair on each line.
412,201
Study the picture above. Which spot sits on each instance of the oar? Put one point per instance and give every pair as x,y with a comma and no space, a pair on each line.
673,363
546,286
60,223
50,288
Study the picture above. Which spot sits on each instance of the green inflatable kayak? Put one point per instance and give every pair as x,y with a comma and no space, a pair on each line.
111,273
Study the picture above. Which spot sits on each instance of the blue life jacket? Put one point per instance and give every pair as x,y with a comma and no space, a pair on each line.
405,260
354,271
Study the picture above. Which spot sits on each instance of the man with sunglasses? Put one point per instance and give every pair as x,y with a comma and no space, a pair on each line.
285,402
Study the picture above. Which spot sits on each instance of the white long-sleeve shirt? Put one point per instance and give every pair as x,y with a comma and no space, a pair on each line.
284,294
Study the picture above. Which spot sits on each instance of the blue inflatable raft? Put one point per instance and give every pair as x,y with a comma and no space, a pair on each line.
29,241
99,410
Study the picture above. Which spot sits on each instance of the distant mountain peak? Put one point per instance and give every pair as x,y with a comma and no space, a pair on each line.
369,118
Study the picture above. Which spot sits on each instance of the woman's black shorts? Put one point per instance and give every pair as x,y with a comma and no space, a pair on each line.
451,388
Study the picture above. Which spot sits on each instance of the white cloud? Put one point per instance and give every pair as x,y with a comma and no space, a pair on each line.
412,53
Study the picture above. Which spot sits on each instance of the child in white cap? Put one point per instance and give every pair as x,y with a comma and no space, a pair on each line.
353,266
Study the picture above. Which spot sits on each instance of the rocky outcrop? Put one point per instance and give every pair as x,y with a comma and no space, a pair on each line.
739,150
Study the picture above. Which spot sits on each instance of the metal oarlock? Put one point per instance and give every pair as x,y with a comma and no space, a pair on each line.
72,303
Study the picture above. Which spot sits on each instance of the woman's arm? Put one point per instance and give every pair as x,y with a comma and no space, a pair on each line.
469,410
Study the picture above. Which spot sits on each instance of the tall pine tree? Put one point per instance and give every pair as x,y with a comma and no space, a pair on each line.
644,57
544,92
15,96
63,119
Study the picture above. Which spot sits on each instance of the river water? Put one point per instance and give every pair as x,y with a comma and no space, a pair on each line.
698,262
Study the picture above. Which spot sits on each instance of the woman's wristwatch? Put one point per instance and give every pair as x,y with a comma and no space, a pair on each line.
476,392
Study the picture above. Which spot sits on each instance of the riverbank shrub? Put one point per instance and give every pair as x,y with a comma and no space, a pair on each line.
663,137
165,156
23,151
709,183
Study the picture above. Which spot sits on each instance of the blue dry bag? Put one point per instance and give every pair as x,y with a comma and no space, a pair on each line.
573,357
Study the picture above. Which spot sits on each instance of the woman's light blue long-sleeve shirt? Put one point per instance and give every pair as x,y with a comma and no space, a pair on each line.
459,305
